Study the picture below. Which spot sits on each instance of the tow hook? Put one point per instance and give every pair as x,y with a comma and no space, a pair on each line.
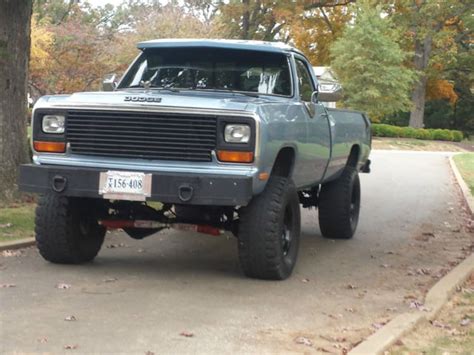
185,192
59,183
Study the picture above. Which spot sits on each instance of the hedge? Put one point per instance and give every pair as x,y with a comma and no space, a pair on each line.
385,130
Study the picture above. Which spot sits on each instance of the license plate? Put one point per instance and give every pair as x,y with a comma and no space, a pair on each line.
125,185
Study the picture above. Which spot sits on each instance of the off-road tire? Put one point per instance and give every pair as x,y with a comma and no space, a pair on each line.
339,205
263,225
66,229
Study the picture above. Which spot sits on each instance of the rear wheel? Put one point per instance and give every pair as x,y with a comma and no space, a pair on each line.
339,205
269,231
67,230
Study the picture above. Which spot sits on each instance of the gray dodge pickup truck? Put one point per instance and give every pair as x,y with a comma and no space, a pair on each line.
225,135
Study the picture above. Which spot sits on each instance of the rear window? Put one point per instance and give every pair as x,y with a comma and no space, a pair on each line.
212,69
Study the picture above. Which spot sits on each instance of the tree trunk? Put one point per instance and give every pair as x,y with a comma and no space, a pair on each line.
15,16
418,98
245,20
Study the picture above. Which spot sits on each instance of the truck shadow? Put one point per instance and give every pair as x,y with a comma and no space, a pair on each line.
179,254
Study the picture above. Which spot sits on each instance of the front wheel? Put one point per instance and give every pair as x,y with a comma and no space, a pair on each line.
66,229
269,231
339,206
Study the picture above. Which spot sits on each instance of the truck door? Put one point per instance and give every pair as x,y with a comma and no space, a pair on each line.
318,144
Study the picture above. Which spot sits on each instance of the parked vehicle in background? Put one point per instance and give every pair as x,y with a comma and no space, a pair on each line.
227,135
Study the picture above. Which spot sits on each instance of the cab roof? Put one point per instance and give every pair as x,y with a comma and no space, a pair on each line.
275,47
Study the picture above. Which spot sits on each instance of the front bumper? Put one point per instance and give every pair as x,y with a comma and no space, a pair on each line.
212,190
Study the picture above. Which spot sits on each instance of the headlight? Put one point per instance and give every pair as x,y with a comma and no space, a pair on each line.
237,133
53,124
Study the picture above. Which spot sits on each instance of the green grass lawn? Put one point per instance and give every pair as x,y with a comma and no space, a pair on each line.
17,221
465,164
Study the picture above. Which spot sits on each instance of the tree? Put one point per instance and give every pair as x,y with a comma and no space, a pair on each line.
270,20
315,30
369,64
14,52
40,58
430,29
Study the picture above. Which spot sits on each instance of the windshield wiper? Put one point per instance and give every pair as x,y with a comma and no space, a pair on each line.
245,93
151,87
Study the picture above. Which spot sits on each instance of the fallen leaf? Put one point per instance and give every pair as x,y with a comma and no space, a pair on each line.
418,305
42,340
423,271
303,341
465,322
385,266
438,324
351,287
71,347
70,319
323,350
63,286
7,285
399,343
350,310
333,339
186,334
305,280
425,236
6,225
119,245
9,252
392,309
110,279
377,325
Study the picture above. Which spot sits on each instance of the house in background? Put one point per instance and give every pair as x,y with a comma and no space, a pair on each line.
330,90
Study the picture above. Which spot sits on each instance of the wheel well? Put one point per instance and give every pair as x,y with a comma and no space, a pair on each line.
283,165
353,156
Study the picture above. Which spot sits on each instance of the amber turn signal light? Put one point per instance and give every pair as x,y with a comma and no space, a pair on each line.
49,147
230,156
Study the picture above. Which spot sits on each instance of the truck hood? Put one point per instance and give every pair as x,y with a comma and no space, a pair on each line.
141,98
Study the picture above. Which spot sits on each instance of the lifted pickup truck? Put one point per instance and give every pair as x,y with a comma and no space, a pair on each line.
226,135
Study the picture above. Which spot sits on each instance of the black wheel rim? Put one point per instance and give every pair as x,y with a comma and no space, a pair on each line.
287,234
355,206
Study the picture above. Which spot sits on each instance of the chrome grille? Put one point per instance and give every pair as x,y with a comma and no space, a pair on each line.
160,136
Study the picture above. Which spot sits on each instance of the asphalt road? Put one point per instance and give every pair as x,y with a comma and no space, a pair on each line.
141,296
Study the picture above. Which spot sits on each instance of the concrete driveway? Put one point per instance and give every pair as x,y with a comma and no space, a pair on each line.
179,292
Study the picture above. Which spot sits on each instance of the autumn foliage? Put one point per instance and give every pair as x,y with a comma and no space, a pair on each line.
74,45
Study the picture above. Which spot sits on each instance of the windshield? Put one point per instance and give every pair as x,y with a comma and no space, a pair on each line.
211,69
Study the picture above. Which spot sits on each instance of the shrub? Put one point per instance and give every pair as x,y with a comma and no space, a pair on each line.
457,136
385,130
442,135
409,132
424,134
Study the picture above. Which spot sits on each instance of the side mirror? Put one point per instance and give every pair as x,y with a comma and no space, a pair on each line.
110,82
329,92
314,97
